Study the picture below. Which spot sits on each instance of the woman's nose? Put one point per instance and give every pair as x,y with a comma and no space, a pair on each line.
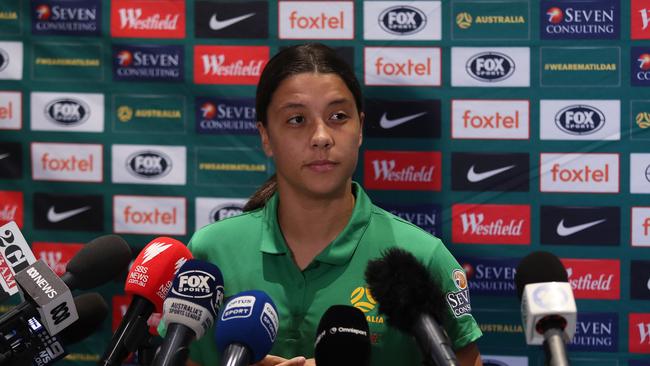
321,138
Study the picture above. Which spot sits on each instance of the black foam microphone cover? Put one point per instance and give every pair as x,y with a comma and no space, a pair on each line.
342,338
92,310
538,267
98,262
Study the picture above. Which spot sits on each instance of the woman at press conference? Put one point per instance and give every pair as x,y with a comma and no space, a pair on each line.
308,233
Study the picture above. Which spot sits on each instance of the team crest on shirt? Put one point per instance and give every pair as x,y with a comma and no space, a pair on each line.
362,299
458,301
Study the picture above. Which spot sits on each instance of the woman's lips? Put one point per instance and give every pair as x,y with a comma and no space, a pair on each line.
322,165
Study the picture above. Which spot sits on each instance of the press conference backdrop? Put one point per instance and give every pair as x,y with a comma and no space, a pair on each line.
502,127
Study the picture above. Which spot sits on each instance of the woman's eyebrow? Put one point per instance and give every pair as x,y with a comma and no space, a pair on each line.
339,101
291,105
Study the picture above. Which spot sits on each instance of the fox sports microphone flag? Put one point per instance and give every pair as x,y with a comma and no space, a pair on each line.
189,309
249,321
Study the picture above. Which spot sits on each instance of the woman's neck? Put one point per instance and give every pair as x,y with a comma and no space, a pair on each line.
309,224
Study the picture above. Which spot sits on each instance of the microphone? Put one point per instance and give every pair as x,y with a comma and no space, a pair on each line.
342,338
189,309
412,302
98,262
247,328
32,344
548,308
15,255
92,312
148,281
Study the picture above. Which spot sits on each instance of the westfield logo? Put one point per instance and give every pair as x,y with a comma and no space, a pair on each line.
594,278
229,64
491,224
217,65
385,169
402,170
131,18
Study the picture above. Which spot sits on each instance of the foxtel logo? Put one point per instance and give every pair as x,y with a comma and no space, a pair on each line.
405,170
490,119
417,66
149,215
594,278
316,20
580,173
67,162
229,64
148,19
640,226
490,224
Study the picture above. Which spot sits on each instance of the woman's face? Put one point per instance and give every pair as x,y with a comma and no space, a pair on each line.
313,133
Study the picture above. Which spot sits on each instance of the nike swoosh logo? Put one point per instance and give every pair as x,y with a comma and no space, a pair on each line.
475,177
54,217
390,123
4,156
216,24
566,231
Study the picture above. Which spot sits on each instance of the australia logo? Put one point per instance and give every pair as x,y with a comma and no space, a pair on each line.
362,299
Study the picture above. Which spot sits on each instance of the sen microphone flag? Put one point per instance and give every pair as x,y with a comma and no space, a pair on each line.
153,270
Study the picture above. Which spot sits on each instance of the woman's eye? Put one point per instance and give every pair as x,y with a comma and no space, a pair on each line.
296,120
339,116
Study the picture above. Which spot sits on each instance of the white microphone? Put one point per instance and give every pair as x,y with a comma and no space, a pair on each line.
548,308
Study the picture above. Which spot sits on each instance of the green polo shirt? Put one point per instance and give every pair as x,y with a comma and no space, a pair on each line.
251,252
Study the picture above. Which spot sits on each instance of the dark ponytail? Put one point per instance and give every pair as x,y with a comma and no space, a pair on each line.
304,58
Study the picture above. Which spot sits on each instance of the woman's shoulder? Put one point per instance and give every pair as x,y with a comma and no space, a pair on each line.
231,230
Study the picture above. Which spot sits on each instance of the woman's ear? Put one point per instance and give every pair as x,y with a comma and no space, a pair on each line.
362,118
264,136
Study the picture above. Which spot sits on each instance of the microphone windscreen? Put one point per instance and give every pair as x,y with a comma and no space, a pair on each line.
99,261
539,267
249,318
92,311
154,268
195,297
404,289
342,338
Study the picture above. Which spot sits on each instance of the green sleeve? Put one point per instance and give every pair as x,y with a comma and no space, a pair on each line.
457,318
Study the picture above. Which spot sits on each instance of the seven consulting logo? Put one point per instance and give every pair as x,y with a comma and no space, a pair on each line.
640,66
591,19
403,170
226,116
68,212
595,332
570,225
491,276
394,20
147,19
148,63
229,64
60,17
231,19
404,119
426,216
490,224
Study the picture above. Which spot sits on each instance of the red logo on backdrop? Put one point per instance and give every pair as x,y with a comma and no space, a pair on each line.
229,64
640,22
594,278
148,19
405,170
120,305
639,332
11,207
55,255
490,224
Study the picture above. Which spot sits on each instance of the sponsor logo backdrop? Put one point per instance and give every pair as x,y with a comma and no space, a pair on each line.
502,126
